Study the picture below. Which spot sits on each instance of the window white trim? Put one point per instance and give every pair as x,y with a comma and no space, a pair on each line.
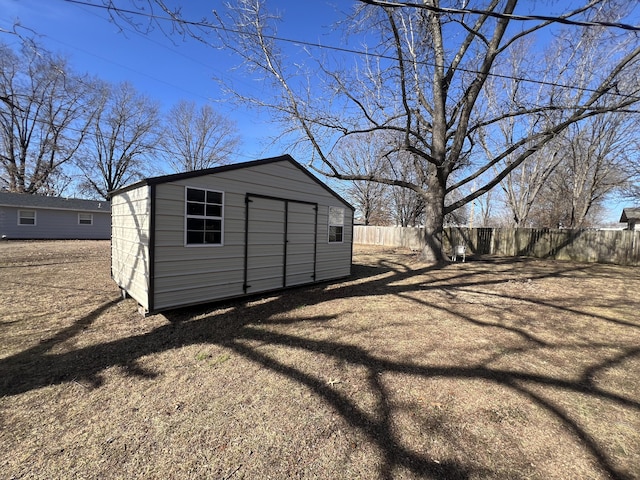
87,220
25,217
203,217
335,230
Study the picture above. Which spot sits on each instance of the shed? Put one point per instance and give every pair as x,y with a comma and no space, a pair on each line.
27,216
631,216
226,232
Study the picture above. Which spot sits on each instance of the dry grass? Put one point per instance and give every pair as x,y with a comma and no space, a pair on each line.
494,369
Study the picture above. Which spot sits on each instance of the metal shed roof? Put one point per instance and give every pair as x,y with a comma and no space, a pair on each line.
226,168
26,200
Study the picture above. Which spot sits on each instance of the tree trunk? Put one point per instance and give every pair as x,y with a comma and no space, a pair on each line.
433,250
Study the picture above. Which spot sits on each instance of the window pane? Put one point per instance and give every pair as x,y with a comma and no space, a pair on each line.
214,211
335,234
85,218
195,208
214,197
195,237
195,195
332,234
27,217
213,225
213,237
204,210
336,216
195,223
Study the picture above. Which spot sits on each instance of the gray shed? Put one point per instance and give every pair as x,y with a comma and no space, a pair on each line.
26,216
226,232
631,216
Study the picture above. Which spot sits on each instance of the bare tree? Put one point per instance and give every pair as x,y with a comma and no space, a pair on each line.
121,137
197,138
596,163
522,187
423,77
425,80
58,184
371,202
46,119
408,206
561,182
632,191
485,206
371,199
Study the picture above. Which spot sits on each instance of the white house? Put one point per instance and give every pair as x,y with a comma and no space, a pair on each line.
226,232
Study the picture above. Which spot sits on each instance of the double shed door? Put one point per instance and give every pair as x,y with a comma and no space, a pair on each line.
280,243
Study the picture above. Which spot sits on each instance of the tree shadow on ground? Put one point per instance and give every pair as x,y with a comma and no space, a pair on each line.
239,325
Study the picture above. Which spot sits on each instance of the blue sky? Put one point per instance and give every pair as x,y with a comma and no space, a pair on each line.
166,69
170,69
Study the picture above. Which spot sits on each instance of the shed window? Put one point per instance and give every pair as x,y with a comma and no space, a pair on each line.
26,217
85,218
336,224
204,217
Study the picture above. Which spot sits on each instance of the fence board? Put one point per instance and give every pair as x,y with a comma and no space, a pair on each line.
621,247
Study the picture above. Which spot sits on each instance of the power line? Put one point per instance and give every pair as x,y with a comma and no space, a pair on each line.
103,59
163,46
151,16
504,16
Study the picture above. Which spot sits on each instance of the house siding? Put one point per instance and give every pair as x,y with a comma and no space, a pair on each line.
196,274
130,240
52,224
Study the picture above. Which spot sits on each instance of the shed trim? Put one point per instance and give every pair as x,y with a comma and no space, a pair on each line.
152,247
226,168
284,243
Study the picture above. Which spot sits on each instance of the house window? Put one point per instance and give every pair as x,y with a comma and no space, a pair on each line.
85,218
204,217
336,224
26,217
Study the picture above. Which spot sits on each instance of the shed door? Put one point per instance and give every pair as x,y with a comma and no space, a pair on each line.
301,243
280,249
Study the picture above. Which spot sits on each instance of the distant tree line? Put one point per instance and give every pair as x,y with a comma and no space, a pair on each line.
563,185
445,115
62,130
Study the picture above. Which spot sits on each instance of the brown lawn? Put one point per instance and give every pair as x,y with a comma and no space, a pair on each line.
495,368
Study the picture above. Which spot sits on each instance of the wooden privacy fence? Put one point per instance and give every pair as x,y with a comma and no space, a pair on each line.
621,247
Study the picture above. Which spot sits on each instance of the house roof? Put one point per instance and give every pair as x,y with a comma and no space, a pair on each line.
26,200
226,168
630,214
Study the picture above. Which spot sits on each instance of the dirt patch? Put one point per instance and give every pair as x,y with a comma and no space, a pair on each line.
494,368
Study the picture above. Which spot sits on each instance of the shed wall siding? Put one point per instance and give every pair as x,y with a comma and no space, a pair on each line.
131,214
194,274
333,258
54,225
